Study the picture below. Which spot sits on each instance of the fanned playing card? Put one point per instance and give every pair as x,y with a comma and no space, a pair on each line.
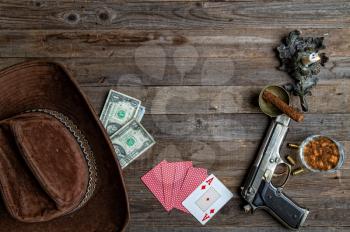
180,174
193,178
168,175
208,198
153,181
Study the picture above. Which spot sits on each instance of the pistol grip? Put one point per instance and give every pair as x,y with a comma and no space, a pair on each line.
280,206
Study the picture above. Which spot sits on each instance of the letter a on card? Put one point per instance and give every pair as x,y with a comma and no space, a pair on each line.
209,181
206,216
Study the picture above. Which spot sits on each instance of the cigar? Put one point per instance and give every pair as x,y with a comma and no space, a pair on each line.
282,106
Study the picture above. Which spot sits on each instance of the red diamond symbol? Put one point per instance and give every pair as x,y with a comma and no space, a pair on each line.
203,186
212,211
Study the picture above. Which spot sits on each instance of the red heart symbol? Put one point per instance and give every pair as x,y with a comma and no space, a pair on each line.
212,211
203,186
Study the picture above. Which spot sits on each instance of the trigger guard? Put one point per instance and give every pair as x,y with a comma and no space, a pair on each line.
288,171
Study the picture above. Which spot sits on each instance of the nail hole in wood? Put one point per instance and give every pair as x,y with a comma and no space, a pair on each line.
38,3
103,16
72,17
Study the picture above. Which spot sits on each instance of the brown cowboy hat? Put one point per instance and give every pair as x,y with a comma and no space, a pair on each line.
58,170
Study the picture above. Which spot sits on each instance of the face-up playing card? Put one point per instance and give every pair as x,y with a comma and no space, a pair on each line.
208,198
153,180
168,175
193,178
180,174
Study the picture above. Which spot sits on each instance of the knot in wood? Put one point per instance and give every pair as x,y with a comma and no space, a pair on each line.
72,17
103,16
38,3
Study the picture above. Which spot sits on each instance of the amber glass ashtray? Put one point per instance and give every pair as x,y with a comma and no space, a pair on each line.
320,153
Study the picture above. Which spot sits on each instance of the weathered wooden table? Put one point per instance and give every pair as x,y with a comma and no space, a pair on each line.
198,68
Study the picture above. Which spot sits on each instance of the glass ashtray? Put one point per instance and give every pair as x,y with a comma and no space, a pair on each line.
303,159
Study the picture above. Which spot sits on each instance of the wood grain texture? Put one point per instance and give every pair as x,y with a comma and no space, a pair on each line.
235,228
198,67
189,71
237,42
221,99
172,15
223,127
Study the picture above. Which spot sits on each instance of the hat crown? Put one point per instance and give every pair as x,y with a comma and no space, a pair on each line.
52,162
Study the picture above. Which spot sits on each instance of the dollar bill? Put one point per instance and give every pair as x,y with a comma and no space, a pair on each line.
140,113
118,110
130,142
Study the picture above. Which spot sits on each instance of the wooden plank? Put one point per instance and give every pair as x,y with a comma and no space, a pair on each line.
224,127
172,71
177,15
248,43
177,71
236,228
327,97
150,214
232,216
226,158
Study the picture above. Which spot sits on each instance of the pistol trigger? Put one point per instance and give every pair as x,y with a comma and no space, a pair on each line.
268,174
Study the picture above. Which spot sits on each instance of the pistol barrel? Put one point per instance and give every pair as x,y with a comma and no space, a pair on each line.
268,157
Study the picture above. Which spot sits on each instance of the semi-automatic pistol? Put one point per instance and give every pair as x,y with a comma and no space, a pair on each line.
258,190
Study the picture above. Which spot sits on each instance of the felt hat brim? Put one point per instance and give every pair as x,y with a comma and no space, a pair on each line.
47,85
